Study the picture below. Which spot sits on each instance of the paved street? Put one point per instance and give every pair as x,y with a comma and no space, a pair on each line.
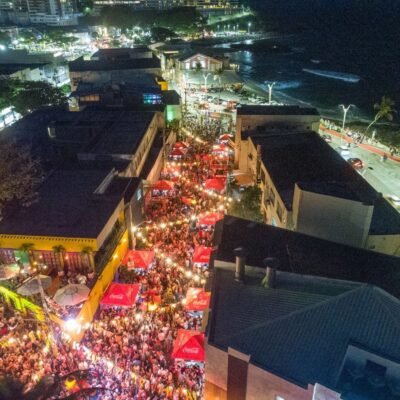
384,176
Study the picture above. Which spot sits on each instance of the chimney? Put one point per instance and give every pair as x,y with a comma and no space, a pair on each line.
271,264
240,253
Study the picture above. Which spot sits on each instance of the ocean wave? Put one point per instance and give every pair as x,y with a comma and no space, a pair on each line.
351,78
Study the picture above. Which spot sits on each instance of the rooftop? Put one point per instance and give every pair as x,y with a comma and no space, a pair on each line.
122,134
121,53
68,206
302,157
301,328
80,65
276,110
305,254
9,69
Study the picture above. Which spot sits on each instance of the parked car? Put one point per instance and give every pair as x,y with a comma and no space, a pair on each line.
327,138
356,163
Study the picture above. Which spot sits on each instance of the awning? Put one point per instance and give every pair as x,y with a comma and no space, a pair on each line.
217,184
202,254
197,299
189,345
188,201
121,294
138,258
163,185
210,218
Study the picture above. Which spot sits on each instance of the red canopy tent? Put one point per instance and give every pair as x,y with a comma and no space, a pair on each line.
177,153
163,185
220,148
217,184
181,145
202,254
138,258
197,299
210,218
189,345
121,294
224,138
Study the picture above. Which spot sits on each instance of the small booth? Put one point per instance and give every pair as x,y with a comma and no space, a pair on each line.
208,220
162,188
197,300
181,145
121,295
224,139
215,184
201,256
177,154
189,346
139,259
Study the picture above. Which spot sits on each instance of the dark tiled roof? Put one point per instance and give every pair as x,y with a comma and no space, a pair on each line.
67,206
276,110
109,65
298,334
306,254
303,157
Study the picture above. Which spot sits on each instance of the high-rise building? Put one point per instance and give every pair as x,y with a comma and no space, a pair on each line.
49,12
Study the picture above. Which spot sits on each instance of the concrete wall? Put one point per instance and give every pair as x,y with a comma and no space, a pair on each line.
388,244
277,122
261,385
264,385
216,371
331,218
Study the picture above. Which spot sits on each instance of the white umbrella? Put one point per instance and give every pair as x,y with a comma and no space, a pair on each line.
71,295
8,271
32,286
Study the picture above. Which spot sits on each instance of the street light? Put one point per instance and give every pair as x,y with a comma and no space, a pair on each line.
345,110
248,27
270,86
205,80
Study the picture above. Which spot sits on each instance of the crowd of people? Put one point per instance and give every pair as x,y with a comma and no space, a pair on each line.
128,350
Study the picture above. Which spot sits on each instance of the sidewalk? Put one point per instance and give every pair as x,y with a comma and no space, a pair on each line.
364,146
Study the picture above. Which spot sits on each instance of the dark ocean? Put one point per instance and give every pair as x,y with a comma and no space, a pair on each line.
357,61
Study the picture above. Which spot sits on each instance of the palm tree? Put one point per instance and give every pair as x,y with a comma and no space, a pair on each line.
60,250
88,252
384,110
28,248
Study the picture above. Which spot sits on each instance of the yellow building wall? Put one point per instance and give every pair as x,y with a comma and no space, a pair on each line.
46,243
89,308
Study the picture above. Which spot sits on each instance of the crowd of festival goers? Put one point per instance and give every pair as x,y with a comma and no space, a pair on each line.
127,350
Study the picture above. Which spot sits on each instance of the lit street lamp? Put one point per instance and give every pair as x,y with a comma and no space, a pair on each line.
205,79
270,86
248,27
345,110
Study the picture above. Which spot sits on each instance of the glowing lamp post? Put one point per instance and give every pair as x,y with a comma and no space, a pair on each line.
270,86
248,27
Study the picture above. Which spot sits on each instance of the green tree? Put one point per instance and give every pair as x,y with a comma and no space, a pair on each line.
198,67
59,250
384,111
26,96
249,205
88,253
20,175
28,248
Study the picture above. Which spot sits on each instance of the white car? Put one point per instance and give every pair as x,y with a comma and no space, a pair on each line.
395,200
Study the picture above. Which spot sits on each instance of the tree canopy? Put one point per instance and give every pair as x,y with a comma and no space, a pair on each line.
20,175
26,96
249,205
